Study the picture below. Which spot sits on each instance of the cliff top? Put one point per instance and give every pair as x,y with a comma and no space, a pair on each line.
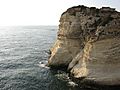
82,8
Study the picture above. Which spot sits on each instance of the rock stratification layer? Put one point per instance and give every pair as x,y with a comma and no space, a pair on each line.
88,43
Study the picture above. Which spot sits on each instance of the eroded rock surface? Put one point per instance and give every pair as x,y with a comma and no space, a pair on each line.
89,44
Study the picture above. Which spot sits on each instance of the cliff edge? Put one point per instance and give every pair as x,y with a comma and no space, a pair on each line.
88,43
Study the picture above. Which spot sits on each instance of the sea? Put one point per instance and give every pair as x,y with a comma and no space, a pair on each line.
24,52
23,58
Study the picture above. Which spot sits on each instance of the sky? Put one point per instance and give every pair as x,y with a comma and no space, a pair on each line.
43,12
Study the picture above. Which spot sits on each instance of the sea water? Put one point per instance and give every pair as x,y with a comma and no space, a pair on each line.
23,56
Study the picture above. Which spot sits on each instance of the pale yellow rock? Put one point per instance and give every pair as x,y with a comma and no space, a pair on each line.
63,52
88,43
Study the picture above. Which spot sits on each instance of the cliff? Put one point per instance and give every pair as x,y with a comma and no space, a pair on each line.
88,43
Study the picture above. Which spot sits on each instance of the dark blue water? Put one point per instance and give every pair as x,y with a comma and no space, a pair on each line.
23,57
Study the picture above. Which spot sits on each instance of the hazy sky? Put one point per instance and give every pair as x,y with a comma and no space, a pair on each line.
42,12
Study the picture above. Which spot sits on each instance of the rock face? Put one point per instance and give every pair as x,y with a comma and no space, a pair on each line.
88,43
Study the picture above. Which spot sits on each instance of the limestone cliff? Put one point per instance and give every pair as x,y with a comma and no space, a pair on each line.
88,43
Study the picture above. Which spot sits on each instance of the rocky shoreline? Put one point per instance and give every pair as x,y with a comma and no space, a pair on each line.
88,44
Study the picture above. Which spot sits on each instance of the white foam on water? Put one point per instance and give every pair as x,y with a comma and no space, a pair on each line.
43,64
71,83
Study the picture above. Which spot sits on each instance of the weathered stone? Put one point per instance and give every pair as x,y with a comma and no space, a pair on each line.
89,44
64,51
